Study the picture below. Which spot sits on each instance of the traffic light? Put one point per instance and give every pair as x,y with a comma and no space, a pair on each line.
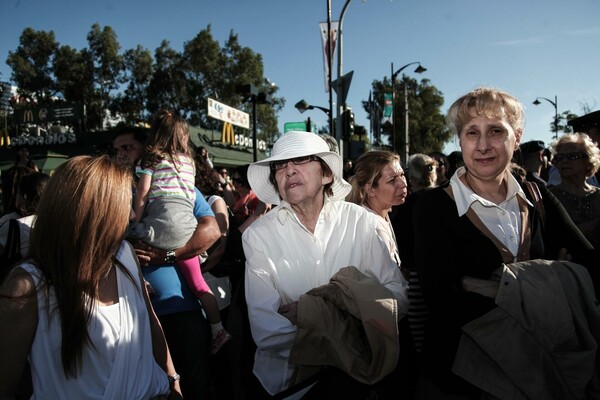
348,120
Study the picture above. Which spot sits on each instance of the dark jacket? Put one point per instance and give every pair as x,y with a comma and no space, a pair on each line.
449,247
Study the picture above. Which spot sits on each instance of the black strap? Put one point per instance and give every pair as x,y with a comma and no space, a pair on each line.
12,250
536,196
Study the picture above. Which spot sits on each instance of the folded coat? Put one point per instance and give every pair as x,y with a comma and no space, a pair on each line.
350,323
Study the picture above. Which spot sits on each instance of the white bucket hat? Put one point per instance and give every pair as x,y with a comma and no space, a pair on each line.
292,145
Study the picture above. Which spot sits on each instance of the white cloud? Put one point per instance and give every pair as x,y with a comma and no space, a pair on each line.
584,32
518,42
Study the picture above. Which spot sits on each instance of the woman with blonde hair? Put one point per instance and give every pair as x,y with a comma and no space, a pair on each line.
577,158
77,308
485,224
378,184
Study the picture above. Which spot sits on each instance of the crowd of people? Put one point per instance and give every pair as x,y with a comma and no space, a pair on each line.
153,273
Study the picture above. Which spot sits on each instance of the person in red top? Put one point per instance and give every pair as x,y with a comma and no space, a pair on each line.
241,200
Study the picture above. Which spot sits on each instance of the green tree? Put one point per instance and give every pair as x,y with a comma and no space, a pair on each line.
137,75
167,88
426,127
108,65
563,119
74,72
31,64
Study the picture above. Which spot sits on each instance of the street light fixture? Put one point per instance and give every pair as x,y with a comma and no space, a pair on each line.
303,105
419,70
537,102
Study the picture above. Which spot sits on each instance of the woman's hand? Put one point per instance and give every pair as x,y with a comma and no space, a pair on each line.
290,311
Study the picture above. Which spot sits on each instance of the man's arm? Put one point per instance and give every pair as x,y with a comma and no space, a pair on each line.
207,232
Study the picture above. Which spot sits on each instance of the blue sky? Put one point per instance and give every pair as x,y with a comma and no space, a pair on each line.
532,48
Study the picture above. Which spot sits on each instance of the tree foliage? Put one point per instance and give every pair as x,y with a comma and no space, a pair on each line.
135,83
426,127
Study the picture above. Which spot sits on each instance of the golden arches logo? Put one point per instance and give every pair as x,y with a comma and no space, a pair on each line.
228,136
28,116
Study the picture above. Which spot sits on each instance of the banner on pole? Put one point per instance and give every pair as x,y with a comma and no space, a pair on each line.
388,111
326,45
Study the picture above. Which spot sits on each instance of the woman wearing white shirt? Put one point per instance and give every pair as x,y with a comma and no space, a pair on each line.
300,244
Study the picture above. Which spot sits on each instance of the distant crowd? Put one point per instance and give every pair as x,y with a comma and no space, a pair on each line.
155,273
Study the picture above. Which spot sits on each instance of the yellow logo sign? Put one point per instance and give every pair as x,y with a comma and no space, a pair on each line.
27,116
227,136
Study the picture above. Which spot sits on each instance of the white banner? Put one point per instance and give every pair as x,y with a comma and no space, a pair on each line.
225,113
334,33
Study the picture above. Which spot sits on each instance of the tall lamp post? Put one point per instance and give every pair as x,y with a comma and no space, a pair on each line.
419,70
253,94
303,105
340,84
555,104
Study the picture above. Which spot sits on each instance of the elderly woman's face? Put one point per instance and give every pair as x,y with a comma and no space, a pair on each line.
572,161
487,146
303,183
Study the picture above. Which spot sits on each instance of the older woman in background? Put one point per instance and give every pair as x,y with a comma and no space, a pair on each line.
78,309
480,222
577,158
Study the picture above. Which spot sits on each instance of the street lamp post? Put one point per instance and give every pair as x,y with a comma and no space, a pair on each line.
252,93
419,70
340,84
555,104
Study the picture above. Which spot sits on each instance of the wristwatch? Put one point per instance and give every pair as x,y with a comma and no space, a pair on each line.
170,257
174,378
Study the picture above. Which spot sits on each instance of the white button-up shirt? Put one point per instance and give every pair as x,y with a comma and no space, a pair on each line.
285,260
503,220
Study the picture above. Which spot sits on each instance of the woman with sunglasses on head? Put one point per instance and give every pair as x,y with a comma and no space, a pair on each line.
577,158
483,223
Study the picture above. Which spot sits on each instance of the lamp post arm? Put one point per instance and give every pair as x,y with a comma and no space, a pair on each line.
395,74
325,110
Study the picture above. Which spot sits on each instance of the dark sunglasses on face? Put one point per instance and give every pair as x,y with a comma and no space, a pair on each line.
237,180
569,156
277,165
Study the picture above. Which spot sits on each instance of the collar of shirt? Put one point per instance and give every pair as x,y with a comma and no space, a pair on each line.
285,211
465,197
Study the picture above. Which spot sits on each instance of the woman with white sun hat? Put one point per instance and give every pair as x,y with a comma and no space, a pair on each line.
301,244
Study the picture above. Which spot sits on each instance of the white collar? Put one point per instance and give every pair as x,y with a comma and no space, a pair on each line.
465,197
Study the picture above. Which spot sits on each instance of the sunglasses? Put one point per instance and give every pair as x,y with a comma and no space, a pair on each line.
569,156
278,165
238,180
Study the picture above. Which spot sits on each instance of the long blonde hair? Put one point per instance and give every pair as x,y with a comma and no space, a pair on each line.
82,219
367,173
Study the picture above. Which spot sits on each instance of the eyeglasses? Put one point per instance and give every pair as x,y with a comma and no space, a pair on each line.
237,180
278,165
569,156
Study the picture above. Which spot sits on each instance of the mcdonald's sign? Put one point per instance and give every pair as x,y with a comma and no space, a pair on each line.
227,135
27,116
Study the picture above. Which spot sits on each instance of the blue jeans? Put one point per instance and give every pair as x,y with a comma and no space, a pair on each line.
188,337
